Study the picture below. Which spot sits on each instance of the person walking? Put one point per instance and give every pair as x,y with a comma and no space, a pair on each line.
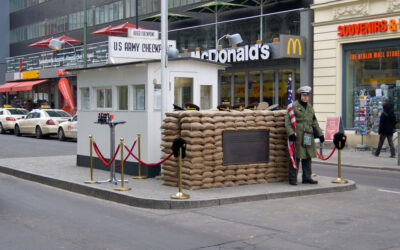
307,128
387,124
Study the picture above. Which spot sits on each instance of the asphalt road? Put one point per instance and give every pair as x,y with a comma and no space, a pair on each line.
12,146
370,177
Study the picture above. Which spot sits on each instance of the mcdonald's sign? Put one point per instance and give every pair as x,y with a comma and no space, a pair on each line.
292,46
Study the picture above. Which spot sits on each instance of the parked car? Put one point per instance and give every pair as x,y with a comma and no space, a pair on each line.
68,129
8,117
41,122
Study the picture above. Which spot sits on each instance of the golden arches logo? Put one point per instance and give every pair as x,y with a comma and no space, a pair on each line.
294,43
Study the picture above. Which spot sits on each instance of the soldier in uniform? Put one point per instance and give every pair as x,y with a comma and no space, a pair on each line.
307,128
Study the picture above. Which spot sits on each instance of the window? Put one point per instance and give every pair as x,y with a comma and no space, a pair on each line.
123,97
183,90
226,79
139,100
85,99
205,96
104,98
157,97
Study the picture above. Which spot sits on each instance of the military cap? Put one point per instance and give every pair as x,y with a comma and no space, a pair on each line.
191,106
177,108
224,107
304,90
239,107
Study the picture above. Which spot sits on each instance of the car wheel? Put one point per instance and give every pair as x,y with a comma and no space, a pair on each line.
61,135
39,134
16,131
1,129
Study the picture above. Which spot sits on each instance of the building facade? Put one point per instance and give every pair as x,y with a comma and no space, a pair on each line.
356,63
245,82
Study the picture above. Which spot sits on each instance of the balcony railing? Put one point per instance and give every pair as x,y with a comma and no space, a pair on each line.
97,53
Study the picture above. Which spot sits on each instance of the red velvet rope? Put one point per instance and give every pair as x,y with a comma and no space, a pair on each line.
101,157
147,164
118,165
324,159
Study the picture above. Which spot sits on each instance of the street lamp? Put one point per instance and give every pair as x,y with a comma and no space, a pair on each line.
233,39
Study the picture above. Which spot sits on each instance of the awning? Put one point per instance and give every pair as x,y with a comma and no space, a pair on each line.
7,86
20,86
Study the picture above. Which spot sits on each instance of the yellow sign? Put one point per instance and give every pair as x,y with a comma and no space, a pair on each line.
30,74
45,107
293,45
7,106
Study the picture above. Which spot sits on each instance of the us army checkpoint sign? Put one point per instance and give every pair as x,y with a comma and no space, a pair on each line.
133,48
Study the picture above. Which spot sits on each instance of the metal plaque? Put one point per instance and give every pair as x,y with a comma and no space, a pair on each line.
245,146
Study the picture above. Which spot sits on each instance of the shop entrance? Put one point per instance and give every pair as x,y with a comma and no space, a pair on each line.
234,90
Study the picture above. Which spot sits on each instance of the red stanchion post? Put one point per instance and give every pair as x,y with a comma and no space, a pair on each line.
122,188
91,161
180,195
139,176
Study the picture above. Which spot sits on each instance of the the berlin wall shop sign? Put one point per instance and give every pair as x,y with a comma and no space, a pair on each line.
124,47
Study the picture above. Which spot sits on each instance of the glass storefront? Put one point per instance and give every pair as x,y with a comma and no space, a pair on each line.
203,37
273,89
371,77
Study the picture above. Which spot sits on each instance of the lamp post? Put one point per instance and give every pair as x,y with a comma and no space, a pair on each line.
164,58
84,33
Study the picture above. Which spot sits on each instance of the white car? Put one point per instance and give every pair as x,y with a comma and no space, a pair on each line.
41,122
8,118
68,129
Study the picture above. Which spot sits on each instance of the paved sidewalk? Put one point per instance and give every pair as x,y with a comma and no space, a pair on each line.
361,159
61,172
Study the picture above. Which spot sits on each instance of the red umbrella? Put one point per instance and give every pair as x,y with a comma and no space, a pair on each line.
123,28
68,39
42,43
106,31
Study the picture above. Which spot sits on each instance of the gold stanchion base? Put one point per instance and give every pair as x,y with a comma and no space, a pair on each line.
139,177
122,189
340,181
180,196
91,182
314,175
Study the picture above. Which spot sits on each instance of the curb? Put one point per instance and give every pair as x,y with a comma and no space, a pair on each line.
165,204
357,166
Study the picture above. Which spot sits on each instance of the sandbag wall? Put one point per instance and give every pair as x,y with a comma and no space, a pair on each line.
202,130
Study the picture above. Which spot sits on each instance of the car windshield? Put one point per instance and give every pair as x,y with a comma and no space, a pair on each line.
18,111
57,113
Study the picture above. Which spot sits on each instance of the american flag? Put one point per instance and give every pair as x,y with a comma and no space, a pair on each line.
291,145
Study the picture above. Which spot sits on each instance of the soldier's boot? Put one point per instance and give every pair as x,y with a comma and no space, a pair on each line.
293,174
306,164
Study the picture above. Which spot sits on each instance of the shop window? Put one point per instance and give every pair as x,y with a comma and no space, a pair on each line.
253,86
239,88
183,90
123,97
205,96
372,77
104,98
282,87
226,79
268,86
139,97
85,99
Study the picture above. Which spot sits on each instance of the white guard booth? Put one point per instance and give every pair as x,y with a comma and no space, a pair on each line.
132,93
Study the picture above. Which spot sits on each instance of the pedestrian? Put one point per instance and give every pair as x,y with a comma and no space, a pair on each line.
307,128
387,124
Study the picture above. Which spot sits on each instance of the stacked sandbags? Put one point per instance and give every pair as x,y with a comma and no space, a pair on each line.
203,166
170,131
278,149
